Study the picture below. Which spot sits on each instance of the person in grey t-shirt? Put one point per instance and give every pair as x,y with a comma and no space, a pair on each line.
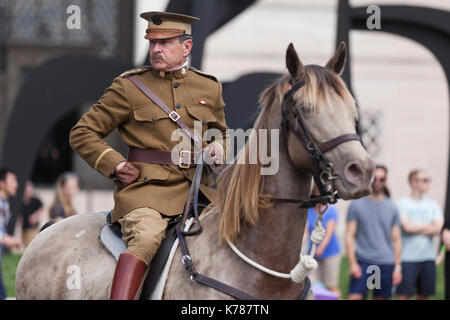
373,238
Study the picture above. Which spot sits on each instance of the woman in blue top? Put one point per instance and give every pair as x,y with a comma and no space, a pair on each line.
328,250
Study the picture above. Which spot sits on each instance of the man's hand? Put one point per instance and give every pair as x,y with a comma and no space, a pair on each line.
446,238
126,173
11,242
34,218
214,154
319,251
355,270
396,277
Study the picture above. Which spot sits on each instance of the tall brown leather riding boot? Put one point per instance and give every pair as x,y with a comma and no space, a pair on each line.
128,276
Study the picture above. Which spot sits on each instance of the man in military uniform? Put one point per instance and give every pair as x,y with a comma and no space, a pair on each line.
151,187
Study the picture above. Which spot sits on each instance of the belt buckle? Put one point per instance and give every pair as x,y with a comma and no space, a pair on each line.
184,164
174,116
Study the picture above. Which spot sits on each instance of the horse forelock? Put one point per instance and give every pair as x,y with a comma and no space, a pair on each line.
322,88
239,186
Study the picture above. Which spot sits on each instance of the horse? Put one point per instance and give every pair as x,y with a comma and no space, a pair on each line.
68,261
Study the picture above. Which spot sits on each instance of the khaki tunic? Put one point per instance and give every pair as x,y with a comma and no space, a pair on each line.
195,96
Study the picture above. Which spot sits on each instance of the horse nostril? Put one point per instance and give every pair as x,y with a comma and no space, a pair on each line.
353,172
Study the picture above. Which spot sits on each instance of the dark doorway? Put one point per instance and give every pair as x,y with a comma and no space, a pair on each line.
55,155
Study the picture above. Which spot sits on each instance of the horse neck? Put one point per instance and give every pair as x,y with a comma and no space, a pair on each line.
276,240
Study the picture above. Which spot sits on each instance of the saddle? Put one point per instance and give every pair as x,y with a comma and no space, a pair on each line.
111,237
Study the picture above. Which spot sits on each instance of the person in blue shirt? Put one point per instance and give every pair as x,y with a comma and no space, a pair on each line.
8,188
421,219
328,250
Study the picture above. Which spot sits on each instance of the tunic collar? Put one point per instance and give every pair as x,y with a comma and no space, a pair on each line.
177,74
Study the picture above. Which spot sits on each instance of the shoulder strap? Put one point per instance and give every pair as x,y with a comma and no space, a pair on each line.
204,74
134,71
175,117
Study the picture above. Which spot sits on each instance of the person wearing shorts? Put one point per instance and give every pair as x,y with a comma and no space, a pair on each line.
373,242
421,219
381,286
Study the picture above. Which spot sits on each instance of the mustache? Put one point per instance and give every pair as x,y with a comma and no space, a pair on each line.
157,56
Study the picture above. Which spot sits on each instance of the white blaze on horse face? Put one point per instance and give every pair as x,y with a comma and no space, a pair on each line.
74,280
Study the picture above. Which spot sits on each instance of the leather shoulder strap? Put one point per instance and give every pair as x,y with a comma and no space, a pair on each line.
157,100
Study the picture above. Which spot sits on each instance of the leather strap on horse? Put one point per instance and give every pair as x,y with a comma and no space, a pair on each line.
215,284
197,277
193,194
305,204
330,144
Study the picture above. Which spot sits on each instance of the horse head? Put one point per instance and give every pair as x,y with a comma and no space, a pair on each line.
326,114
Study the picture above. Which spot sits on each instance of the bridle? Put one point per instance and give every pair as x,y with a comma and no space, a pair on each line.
322,169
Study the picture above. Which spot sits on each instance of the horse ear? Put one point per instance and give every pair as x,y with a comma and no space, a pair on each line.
337,63
293,63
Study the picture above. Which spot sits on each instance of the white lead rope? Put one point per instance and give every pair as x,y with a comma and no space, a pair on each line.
306,263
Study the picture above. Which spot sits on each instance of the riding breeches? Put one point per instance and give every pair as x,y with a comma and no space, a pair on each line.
143,230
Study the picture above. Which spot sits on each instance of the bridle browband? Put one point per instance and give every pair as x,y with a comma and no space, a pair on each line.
322,169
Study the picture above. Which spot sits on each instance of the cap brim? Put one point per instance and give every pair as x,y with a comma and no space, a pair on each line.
155,35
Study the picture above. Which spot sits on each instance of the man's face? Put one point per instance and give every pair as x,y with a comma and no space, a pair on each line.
379,181
421,182
168,54
10,185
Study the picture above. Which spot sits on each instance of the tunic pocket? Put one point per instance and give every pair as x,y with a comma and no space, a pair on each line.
201,113
149,113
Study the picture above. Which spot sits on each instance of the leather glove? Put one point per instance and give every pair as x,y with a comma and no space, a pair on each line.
126,174
214,155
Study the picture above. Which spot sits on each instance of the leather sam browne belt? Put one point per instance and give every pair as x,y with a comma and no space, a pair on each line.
184,159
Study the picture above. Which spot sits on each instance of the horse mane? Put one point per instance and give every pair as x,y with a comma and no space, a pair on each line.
240,185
